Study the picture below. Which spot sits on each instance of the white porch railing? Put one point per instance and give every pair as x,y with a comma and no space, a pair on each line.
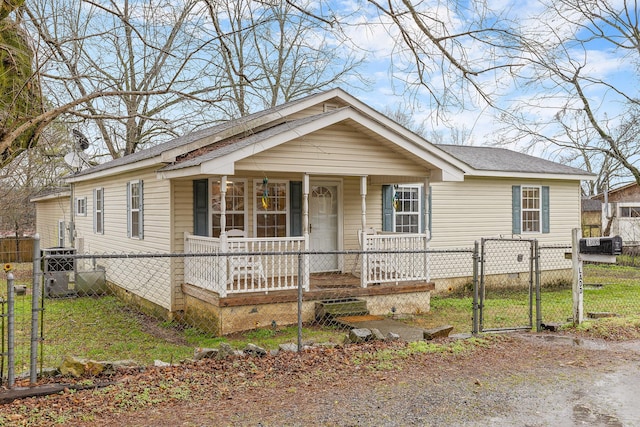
387,258
241,265
245,264
203,271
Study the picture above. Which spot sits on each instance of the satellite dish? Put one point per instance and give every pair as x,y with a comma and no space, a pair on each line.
76,160
82,143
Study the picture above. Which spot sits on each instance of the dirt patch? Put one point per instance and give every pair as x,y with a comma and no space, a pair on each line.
506,380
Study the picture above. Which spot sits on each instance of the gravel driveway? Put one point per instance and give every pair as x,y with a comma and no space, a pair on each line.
515,380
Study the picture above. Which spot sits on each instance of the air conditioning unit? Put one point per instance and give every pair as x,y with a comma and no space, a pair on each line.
58,263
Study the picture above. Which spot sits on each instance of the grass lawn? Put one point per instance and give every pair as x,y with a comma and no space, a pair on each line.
102,328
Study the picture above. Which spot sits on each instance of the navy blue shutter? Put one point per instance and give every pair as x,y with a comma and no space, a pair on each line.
545,209
387,207
201,207
295,204
516,211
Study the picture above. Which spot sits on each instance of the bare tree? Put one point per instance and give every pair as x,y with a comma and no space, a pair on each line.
19,94
573,103
270,53
146,61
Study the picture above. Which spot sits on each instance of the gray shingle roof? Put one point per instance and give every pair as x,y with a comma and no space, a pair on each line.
501,159
157,150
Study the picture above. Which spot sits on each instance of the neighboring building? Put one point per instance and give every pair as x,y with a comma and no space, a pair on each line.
591,218
621,212
313,174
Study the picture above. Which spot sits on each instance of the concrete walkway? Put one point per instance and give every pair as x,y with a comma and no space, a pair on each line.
384,325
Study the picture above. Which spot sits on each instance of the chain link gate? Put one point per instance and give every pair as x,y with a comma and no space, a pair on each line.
507,279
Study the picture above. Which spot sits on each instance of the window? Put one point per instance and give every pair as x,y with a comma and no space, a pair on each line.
270,201
81,206
530,209
98,211
62,227
407,212
235,213
403,208
630,212
135,221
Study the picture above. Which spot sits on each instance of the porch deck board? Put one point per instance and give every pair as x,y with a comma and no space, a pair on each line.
325,286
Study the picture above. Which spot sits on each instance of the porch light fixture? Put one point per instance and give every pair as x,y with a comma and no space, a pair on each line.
396,197
265,193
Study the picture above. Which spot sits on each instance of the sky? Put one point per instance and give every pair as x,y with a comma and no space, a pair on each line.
480,122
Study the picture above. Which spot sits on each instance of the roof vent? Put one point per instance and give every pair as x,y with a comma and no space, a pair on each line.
330,107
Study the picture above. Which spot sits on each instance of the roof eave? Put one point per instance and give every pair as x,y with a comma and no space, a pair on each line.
129,167
531,175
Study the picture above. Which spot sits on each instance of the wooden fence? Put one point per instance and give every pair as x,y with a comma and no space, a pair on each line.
16,249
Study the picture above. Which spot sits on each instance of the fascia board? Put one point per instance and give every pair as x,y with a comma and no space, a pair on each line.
531,175
143,164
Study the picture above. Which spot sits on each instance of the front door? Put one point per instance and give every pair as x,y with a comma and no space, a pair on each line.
323,225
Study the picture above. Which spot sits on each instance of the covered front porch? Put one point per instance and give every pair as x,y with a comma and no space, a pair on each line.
330,233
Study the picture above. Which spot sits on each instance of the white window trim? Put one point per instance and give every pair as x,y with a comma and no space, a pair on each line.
523,210
211,211
420,203
140,231
257,183
98,191
627,205
80,204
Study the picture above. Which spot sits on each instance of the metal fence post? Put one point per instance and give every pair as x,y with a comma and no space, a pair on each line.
35,310
536,266
476,257
11,369
300,286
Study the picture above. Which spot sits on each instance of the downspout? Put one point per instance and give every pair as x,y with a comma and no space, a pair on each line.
71,227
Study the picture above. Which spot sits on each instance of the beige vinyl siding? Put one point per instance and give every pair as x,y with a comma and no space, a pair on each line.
182,222
149,278
463,212
337,149
48,214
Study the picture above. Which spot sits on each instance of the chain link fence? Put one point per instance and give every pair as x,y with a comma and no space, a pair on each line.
148,307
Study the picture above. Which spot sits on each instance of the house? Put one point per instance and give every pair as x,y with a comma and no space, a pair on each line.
325,173
621,212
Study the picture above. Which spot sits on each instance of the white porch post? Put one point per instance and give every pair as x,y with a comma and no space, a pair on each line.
224,247
363,235
223,206
427,226
305,230
363,201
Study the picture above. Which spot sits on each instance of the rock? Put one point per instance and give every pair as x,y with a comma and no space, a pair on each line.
439,332
392,336
254,350
225,351
79,367
600,314
553,327
289,346
161,364
205,353
359,335
377,335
